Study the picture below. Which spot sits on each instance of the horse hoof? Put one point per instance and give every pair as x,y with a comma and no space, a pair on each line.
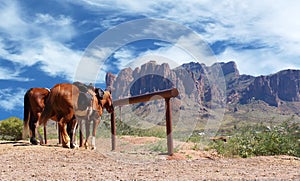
65,146
34,141
86,145
93,148
74,146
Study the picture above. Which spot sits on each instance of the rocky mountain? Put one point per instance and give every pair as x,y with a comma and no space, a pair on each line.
274,89
195,83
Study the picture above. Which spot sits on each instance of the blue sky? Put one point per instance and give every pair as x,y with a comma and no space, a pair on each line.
42,42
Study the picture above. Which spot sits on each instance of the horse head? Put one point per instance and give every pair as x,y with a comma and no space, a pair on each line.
105,99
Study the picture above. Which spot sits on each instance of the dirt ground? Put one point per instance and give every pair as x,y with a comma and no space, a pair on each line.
22,161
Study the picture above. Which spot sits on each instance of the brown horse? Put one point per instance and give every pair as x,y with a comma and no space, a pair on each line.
34,103
61,102
100,99
66,102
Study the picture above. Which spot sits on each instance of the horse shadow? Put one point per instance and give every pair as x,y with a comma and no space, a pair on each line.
15,143
26,143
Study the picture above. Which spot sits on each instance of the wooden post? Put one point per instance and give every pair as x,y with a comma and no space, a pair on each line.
113,131
169,126
120,107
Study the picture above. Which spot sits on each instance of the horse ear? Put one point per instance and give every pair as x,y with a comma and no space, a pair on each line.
91,86
108,89
100,93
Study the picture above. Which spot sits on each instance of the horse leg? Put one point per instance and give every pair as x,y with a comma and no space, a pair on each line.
64,135
87,132
32,127
95,125
71,128
42,118
80,122
40,137
58,119
36,126
45,131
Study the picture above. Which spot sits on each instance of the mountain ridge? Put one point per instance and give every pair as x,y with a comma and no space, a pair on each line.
192,82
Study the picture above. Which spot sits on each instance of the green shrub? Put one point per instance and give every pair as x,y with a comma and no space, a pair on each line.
11,129
283,139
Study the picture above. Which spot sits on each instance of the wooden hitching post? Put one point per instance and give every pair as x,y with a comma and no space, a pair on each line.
113,130
169,126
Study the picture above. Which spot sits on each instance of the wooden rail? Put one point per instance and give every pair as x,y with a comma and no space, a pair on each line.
165,94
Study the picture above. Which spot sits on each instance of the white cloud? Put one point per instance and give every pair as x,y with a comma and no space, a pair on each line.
117,5
42,38
7,74
88,69
57,28
11,98
187,48
11,19
171,54
92,68
273,24
258,62
124,57
59,60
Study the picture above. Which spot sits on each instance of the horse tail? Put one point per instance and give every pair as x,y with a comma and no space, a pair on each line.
26,118
47,112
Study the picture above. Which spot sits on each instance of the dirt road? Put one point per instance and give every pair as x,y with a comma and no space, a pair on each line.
22,161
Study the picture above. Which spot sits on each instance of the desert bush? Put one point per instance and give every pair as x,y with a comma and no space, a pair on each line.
11,129
283,139
160,146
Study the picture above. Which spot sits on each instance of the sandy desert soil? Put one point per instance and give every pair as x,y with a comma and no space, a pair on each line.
22,161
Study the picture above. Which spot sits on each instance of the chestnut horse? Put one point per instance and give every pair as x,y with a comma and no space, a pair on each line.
64,102
61,102
34,103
